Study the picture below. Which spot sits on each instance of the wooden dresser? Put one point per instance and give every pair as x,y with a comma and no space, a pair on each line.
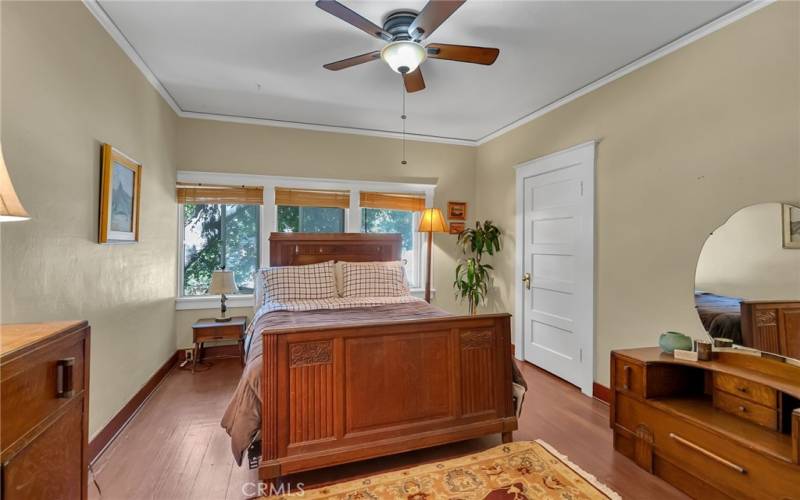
44,410
727,428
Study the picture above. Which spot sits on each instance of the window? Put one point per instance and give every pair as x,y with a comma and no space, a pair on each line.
379,220
217,235
292,219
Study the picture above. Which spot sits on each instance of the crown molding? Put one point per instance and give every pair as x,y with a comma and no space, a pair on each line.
116,34
326,128
106,22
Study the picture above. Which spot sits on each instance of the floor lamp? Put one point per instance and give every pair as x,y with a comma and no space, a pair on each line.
431,222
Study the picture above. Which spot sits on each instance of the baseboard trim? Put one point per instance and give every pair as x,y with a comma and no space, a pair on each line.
213,352
601,393
108,433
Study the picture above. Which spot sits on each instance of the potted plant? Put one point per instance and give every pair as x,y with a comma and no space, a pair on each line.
472,277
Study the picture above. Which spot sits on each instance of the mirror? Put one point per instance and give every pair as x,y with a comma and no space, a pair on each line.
747,281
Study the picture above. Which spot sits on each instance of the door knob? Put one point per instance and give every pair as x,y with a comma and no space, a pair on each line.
526,278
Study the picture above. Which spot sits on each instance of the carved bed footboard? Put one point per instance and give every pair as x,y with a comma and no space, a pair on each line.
772,326
340,394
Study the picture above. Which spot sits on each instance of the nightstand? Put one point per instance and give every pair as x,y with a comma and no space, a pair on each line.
209,329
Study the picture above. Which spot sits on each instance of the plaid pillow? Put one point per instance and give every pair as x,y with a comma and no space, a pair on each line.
373,280
314,281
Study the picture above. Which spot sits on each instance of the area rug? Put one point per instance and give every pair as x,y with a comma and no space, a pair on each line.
519,471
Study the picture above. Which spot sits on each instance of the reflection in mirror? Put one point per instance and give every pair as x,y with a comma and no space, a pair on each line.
747,283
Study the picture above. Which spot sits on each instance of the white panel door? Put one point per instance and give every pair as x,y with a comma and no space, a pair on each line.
557,276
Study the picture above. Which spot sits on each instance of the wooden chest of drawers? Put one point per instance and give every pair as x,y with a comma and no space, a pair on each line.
712,429
44,403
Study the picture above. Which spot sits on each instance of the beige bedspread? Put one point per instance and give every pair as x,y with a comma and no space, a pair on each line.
242,418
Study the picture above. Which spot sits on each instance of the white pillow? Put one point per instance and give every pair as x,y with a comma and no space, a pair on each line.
373,279
313,281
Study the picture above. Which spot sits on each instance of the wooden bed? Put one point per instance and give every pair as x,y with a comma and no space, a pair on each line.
772,326
319,408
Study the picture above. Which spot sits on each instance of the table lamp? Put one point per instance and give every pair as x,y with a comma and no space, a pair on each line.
222,283
431,222
11,208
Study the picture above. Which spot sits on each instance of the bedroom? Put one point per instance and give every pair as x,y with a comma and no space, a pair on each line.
684,139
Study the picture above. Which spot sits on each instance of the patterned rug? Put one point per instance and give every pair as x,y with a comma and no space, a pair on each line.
519,471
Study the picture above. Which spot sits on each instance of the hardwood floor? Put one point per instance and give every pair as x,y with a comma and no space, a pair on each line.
174,448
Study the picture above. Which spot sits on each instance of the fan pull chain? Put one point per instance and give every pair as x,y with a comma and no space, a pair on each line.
403,117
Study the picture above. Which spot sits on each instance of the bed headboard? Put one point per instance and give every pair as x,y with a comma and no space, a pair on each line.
293,249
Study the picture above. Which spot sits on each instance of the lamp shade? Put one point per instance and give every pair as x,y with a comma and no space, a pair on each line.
11,208
222,282
432,221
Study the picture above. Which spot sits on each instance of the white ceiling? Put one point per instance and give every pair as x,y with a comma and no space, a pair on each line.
263,59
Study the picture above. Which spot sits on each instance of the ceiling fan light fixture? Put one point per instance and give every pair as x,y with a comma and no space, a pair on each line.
404,56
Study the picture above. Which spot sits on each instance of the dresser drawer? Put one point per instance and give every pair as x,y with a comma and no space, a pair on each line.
746,389
49,467
628,376
33,382
733,469
746,409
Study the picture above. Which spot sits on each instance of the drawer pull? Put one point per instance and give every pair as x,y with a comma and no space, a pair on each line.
65,384
626,382
743,409
742,389
713,456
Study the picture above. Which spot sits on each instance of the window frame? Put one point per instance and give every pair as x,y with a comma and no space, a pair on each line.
268,221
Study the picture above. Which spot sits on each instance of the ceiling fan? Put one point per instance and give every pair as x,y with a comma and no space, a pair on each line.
405,30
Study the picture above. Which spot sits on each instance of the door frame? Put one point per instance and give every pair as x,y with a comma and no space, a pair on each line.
583,154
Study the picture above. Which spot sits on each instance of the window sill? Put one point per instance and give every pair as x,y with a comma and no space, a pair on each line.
212,301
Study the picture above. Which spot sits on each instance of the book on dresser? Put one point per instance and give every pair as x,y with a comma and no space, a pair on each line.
44,410
725,428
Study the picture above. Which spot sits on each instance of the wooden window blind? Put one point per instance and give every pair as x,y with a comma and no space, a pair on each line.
214,194
391,201
312,198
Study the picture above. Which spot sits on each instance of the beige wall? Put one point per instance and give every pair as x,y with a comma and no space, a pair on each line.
213,146
67,88
745,257
684,143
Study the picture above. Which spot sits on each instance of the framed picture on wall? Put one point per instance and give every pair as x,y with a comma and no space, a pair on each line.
121,181
791,226
456,227
456,210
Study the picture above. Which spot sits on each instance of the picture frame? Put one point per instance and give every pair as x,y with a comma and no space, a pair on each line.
457,210
791,226
456,227
120,195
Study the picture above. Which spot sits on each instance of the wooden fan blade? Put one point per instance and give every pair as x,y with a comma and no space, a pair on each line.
353,61
462,53
414,81
431,17
352,17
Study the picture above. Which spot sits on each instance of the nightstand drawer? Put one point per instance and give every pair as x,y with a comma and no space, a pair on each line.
233,332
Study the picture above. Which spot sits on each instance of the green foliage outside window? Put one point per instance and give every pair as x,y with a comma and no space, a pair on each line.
217,236
310,219
378,220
